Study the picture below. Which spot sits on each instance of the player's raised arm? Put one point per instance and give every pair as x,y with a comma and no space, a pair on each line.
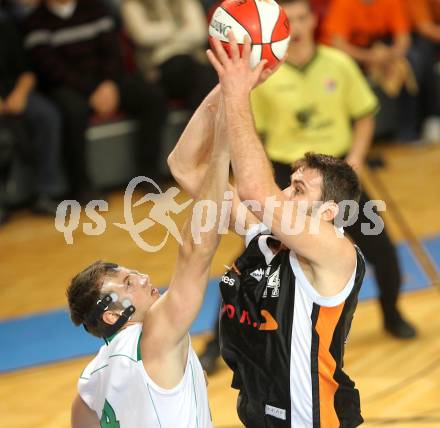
253,172
188,162
174,313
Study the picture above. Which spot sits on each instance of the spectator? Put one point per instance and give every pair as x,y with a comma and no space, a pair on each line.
74,49
425,18
376,33
320,9
169,36
19,9
22,109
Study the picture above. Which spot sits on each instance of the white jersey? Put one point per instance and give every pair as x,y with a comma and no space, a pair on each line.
116,386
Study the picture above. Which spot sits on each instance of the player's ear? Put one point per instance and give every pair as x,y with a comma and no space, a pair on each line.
329,210
109,317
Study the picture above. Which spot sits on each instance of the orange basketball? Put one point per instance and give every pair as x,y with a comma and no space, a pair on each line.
263,21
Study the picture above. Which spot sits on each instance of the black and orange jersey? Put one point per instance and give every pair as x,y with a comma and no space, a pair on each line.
285,342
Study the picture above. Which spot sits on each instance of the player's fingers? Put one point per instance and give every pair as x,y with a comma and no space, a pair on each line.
214,61
259,68
246,55
235,52
265,74
220,52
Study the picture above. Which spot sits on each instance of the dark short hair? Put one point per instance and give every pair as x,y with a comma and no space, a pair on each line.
84,292
339,180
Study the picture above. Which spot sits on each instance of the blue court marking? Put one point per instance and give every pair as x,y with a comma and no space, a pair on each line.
41,339
413,276
432,246
49,337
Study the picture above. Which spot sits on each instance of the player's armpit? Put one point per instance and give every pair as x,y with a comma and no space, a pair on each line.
83,416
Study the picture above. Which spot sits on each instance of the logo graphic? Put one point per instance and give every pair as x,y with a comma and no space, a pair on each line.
203,218
163,204
275,412
108,418
330,84
220,27
257,274
305,116
273,282
228,281
269,324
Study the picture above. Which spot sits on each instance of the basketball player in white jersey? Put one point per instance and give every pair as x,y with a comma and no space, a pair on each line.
147,374
288,301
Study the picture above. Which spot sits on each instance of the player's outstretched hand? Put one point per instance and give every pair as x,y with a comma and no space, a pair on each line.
237,78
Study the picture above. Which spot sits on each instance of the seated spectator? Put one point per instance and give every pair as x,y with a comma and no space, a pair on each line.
376,33
170,36
19,9
74,49
425,18
33,122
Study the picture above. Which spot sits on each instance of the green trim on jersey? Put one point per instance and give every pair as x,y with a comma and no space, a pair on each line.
154,406
123,355
194,390
139,354
107,340
94,371
108,417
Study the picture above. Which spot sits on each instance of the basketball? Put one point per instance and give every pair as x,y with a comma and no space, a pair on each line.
263,21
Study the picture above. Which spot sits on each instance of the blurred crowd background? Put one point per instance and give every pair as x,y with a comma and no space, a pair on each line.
104,73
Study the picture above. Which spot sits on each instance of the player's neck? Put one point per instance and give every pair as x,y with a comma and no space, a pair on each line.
301,53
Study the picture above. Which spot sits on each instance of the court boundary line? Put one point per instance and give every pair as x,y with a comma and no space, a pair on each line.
420,253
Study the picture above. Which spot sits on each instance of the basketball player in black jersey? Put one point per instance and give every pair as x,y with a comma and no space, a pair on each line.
288,301
306,60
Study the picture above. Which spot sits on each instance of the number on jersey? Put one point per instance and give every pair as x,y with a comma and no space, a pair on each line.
108,418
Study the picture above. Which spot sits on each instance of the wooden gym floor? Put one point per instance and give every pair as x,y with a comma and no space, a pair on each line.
399,381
